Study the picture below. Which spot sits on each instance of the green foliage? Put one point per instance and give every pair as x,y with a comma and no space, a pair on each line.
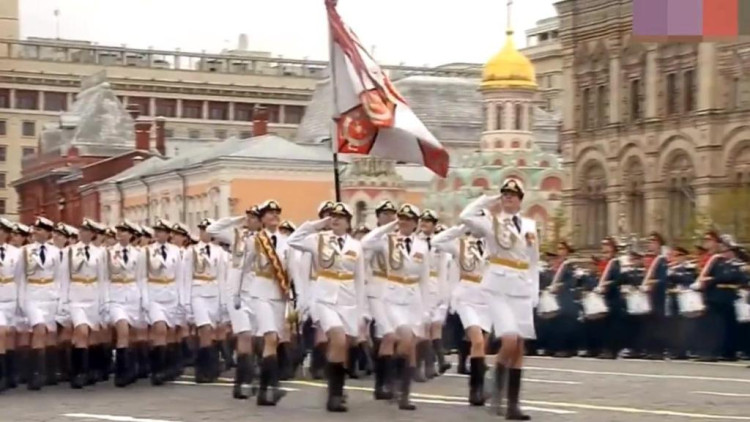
557,226
729,210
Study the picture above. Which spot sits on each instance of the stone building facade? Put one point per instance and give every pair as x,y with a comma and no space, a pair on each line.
654,131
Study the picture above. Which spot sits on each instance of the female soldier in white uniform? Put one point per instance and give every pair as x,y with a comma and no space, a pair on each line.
126,267
408,272
40,297
205,271
163,293
84,294
234,231
11,276
62,237
510,281
339,298
469,254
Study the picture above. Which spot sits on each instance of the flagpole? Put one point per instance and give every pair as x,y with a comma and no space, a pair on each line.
334,131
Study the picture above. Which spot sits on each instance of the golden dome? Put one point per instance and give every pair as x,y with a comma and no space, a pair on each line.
509,69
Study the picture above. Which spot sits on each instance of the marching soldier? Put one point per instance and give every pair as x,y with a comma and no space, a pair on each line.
680,275
468,299
40,297
654,284
127,282
11,277
609,286
407,272
205,274
20,373
511,283
563,323
339,298
61,238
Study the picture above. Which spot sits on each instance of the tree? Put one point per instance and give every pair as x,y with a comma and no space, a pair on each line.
556,230
729,210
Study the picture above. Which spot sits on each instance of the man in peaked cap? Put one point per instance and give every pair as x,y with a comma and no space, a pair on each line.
511,282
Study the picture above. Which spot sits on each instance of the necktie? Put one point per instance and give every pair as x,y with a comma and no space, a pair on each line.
164,251
517,223
61,255
124,255
42,254
429,243
208,251
86,252
2,253
273,241
480,247
407,243
341,242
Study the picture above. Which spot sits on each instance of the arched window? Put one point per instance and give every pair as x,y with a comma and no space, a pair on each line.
519,117
595,213
499,117
636,202
680,196
360,213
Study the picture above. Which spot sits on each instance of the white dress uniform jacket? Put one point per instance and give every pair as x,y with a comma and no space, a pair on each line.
205,271
84,287
338,293
469,257
376,282
40,292
11,277
407,272
437,290
511,278
268,302
126,266
164,290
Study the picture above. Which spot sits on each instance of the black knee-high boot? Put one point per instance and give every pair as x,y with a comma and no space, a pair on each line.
201,367
336,379
3,374
407,374
214,368
383,390
63,358
11,369
318,361
24,364
430,360
419,370
437,346
227,354
283,356
497,398
144,363
51,360
132,361
37,377
366,358
188,354
476,382
351,362
464,347
157,364
514,391
269,392
78,373
93,373
243,376
121,367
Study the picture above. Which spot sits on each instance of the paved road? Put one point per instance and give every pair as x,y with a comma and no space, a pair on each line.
559,390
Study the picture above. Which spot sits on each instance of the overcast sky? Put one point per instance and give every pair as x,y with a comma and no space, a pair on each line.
415,32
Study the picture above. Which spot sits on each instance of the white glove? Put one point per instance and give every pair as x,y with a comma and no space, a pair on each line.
695,286
599,290
644,289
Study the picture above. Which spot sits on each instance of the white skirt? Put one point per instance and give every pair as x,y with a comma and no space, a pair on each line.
206,311
336,316
8,314
128,312
511,315
474,315
241,317
269,316
86,313
437,314
405,316
42,313
167,313
383,325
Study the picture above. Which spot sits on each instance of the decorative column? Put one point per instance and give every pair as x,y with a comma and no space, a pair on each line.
652,83
707,76
204,112
615,87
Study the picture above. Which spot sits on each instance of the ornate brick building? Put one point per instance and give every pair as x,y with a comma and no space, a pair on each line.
95,140
651,132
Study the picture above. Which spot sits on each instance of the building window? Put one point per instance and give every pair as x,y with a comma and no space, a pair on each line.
595,214
689,90
3,153
585,98
4,98
245,134
192,109
28,129
166,107
55,101
143,103
635,99
194,134
27,100
2,181
28,151
2,206
243,112
293,114
360,213
636,201
218,110
499,117
680,197
601,105
518,117
221,134
273,113
3,128
671,94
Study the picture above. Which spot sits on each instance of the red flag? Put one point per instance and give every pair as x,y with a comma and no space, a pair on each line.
371,117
